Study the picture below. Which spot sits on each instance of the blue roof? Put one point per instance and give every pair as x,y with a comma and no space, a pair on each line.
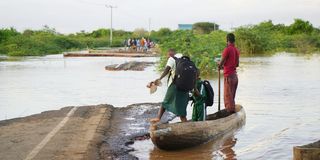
185,26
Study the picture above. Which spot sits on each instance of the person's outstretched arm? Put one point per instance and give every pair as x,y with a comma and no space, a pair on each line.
165,72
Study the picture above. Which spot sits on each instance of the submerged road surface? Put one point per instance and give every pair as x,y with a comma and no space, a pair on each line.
87,132
69,133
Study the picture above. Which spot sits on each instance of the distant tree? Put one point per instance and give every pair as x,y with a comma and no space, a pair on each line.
317,30
5,34
268,26
49,30
300,26
204,27
83,33
164,32
28,32
122,33
100,33
140,32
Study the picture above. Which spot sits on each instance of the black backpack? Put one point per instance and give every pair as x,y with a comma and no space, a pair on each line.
210,93
185,75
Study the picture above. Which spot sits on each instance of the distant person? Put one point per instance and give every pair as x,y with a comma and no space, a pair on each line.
134,42
149,43
175,100
229,62
142,43
199,97
125,44
129,43
152,44
138,45
145,49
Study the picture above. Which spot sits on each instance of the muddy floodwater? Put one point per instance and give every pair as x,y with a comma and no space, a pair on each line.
280,94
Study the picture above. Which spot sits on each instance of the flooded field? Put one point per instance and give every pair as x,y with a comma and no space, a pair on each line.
280,94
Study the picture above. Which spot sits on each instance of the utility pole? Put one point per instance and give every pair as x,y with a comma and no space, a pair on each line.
111,8
149,27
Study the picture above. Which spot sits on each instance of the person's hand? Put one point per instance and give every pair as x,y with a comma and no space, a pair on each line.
218,65
196,92
150,84
158,82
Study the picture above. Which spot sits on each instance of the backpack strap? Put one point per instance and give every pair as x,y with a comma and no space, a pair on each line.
170,72
186,57
175,58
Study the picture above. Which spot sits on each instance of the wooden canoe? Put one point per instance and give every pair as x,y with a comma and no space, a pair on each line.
188,134
307,152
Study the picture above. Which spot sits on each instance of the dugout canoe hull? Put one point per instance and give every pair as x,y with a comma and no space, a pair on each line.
189,134
307,152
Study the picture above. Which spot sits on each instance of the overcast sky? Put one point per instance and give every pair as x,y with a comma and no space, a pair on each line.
69,16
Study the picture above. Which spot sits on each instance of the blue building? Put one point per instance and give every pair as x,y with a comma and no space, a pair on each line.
185,26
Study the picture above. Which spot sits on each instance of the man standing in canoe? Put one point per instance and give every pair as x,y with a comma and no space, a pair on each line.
229,62
175,100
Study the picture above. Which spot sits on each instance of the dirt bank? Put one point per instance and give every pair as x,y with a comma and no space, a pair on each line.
132,66
87,132
121,50
109,54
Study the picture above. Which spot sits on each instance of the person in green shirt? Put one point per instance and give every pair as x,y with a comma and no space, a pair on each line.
199,97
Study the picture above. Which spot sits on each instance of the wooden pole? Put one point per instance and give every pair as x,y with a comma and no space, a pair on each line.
219,92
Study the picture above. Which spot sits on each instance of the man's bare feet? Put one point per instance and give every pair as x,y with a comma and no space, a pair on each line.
183,119
154,120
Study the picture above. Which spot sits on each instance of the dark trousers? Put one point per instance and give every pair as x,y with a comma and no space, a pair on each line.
230,88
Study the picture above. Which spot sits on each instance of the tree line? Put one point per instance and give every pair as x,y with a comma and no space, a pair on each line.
204,39
263,38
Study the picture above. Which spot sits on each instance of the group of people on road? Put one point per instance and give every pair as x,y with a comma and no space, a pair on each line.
138,44
176,100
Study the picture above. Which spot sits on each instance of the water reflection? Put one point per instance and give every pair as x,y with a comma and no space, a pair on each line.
226,149
222,148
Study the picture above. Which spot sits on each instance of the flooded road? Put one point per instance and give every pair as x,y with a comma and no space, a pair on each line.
280,94
35,84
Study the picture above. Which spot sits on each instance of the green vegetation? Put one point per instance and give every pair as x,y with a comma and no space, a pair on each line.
160,35
48,41
202,44
201,48
266,37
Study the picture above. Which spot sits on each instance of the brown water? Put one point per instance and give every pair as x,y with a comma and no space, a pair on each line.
280,94
34,84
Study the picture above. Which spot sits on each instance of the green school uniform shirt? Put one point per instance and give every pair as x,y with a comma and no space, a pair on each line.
199,106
